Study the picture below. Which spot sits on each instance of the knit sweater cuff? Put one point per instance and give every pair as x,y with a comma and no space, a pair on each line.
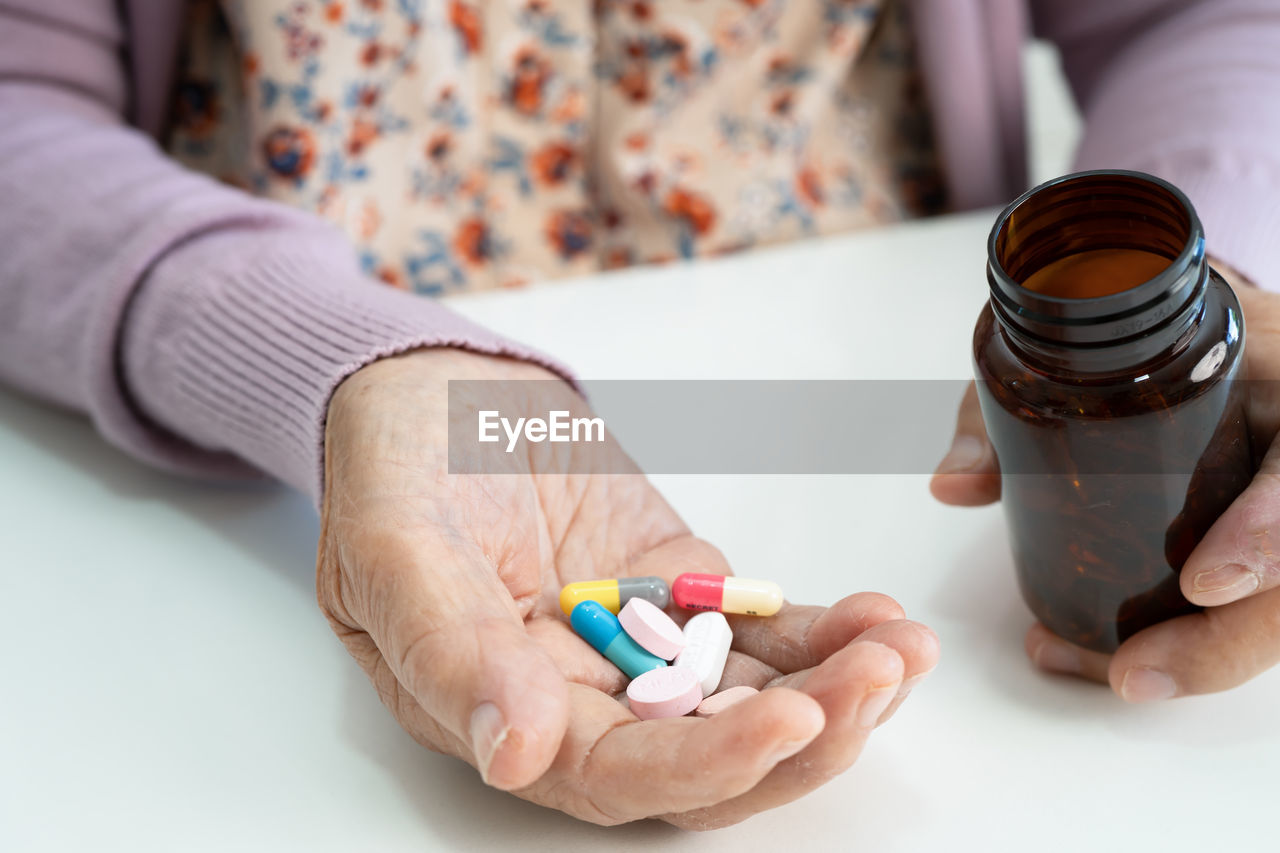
236,341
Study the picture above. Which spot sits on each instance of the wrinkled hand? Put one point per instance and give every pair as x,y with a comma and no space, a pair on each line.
445,589
1234,572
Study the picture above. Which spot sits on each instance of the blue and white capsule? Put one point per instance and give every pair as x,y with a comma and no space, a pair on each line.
593,623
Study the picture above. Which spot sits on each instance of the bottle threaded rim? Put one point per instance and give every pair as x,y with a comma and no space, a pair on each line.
1087,211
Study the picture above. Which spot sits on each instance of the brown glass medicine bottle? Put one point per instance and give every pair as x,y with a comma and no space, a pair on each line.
1109,362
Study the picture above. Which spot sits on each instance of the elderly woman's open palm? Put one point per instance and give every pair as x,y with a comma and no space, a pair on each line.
445,588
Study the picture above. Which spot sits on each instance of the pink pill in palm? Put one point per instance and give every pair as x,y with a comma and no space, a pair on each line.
717,702
672,691
651,628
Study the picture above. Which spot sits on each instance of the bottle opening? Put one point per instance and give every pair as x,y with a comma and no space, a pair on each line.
1098,272
1096,257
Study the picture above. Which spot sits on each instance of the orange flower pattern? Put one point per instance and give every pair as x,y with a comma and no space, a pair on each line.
489,143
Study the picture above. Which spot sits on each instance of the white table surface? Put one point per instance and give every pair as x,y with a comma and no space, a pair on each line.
168,683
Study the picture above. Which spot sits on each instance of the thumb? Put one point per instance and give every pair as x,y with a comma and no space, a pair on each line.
968,475
449,630
1237,557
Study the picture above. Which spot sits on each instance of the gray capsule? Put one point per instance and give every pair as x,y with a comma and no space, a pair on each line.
652,589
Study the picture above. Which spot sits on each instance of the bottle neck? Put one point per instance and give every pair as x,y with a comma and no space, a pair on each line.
1131,322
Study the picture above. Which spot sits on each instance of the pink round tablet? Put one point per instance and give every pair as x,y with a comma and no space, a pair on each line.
717,702
651,628
671,691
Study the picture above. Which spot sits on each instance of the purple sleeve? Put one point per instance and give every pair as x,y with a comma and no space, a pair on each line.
1188,90
202,330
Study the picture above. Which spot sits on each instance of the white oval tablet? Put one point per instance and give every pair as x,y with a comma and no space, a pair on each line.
707,638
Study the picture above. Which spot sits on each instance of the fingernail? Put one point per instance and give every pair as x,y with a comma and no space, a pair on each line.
787,749
965,454
488,731
1142,684
911,683
1057,656
874,703
1225,584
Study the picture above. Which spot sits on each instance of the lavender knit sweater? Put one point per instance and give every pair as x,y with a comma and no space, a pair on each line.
204,330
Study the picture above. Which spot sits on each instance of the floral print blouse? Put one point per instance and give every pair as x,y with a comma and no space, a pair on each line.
466,144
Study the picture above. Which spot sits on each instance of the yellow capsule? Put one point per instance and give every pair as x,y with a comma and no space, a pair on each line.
613,594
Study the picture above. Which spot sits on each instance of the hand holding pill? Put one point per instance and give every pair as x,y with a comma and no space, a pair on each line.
446,589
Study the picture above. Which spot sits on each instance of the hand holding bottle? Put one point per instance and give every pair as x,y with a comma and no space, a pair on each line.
1234,573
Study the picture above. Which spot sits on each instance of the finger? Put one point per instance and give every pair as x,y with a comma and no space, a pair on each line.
968,475
613,768
574,657
1051,653
452,636
1263,357
1240,555
801,636
918,647
854,686
743,669
915,643
1219,648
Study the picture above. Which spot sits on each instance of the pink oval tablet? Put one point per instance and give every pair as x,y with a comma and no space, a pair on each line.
651,628
717,702
672,691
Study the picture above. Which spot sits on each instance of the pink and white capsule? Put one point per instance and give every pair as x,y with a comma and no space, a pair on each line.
666,692
694,591
651,628
717,702
707,638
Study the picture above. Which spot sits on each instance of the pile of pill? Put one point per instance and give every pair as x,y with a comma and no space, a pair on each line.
625,621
